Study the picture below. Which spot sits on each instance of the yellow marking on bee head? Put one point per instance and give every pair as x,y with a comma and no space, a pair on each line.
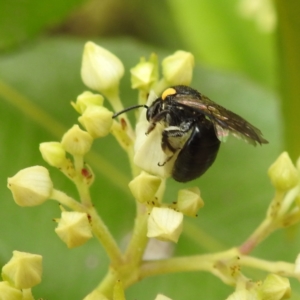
168,92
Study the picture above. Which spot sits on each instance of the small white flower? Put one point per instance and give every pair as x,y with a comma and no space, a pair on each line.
144,187
283,174
9,292
76,141
24,270
74,228
97,120
86,99
31,186
178,68
53,153
148,152
101,70
165,224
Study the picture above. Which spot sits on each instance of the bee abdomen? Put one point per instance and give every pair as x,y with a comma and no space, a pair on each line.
197,155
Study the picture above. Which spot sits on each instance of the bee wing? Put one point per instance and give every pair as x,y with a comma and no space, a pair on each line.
224,120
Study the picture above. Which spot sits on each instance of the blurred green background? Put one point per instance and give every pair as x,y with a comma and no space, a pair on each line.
247,59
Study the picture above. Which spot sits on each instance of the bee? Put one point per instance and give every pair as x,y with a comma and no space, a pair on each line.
193,128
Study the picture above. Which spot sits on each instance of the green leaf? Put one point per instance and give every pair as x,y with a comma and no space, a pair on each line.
37,86
220,36
21,20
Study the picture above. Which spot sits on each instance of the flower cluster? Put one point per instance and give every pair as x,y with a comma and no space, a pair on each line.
156,218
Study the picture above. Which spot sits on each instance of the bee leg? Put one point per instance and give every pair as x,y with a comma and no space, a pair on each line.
173,139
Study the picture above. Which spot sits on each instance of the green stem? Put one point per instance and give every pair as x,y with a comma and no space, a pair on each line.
278,267
138,242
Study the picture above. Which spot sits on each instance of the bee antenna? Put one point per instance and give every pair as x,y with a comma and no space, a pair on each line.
129,108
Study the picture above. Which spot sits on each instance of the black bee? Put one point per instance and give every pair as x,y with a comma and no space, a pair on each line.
193,127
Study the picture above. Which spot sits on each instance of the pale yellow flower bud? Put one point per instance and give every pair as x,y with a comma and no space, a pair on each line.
31,186
144,187
189,201
86,99
97,120
53,153
74,228
275,287
297,266
144,74
162,297
24,270
100,70
244,294
95,295
9,292
178,68
76,141
165,224
283,174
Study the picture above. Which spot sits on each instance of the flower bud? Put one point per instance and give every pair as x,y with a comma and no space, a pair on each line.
162,297
76,141
165,224
31,186
283,173
97,120
144,187
189,201
9,292
100,70
275,287
144,74
86,99
74,228
297,267
24,270
53,153
243,294
178,68
95,295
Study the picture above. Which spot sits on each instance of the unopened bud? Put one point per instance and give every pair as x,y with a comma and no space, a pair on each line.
24,270
144,187
53,153
162,297
178,68
87,99
165,224
76,141
145,73
8,292
31,186
283,173
97,120
100,70
74,228
275,287
189,201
